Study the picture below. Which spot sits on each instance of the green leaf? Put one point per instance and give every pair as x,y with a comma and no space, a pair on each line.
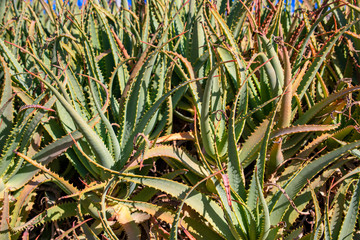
197,201
6,106
348,226
318,61
279,203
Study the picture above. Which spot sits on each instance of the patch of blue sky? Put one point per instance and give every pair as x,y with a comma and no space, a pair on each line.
292,8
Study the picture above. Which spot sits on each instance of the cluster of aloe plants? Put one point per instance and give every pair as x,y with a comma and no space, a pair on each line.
179,119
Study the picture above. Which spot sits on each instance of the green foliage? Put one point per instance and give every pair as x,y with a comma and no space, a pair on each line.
220,119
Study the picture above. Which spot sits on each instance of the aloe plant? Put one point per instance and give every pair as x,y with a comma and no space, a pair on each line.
222,119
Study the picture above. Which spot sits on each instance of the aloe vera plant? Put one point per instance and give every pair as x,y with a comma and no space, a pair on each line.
217,119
